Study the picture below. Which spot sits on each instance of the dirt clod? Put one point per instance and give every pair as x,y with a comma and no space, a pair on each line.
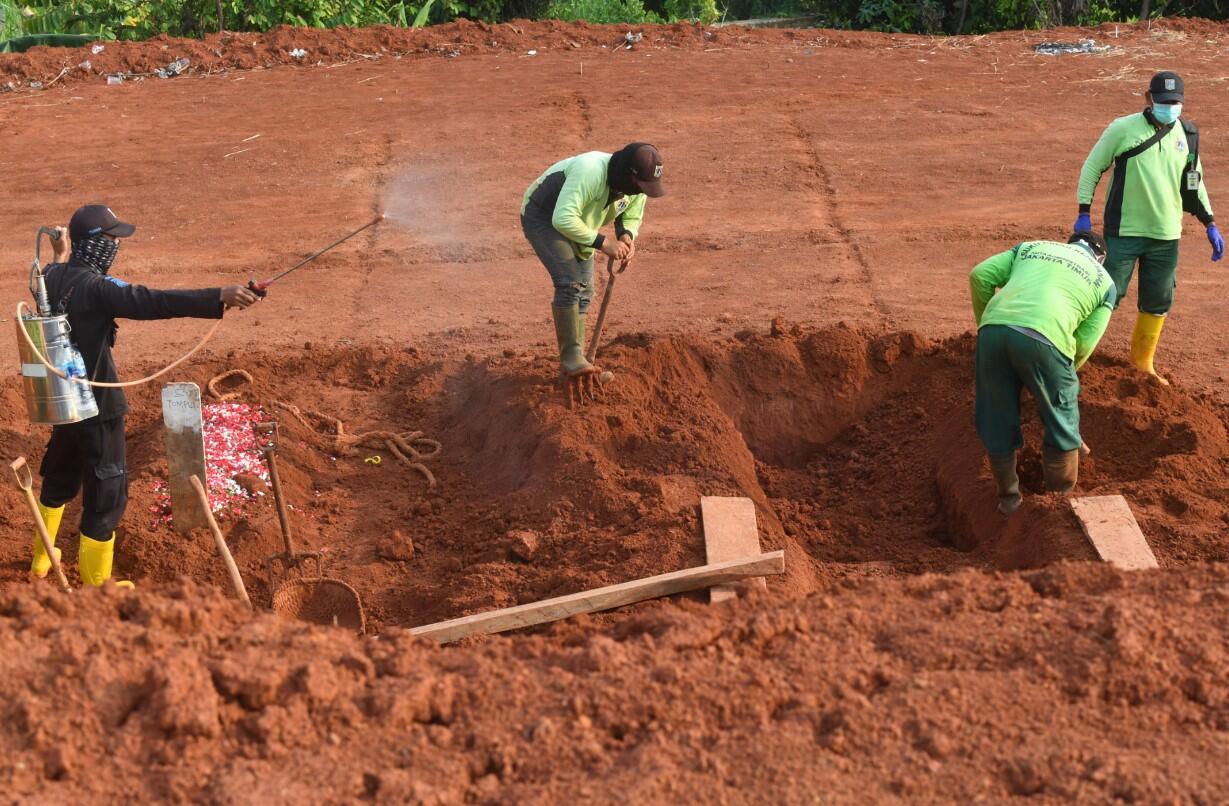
523,544
396,546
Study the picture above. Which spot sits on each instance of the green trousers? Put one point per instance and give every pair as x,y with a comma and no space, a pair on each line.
1158,270
1008,360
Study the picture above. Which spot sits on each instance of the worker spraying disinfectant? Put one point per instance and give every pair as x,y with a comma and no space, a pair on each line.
66,352
88,456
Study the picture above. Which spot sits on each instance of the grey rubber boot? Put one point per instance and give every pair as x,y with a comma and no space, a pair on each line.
1003,468
1061,468
570,333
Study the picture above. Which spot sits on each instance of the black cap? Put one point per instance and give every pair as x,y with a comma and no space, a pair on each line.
94,219
1166,87
1092,240
646,168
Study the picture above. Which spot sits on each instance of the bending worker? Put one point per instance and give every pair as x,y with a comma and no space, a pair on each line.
1053,304
562,214
1157,175
89,456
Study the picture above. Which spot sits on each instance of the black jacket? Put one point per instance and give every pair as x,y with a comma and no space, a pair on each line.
93,301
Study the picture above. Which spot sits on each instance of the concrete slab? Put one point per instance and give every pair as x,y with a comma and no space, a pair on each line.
1113,531
730,533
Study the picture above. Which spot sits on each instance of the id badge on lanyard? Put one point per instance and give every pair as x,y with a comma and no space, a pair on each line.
1192,179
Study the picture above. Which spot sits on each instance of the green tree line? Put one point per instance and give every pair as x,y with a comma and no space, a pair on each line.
141,19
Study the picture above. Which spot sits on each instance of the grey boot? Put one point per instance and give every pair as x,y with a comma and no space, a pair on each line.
1003,468
1061,468
570,333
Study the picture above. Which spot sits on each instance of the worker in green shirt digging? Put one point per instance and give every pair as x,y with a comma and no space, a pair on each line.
1157,175
562,215
1052,305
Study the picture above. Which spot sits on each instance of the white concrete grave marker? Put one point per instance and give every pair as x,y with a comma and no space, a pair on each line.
185,453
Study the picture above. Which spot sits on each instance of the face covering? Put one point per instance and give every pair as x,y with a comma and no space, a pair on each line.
98,252
1166,113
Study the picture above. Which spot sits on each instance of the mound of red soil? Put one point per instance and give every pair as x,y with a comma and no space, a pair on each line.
1077,683
245,51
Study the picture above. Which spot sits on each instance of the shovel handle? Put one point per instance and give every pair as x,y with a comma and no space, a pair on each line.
223,549
25,483
21,470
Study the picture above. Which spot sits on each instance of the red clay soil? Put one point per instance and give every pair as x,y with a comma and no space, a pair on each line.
919,647
855,676
1070,683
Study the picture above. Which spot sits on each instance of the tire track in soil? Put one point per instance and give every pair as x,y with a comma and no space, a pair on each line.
586,117
383,175
831,202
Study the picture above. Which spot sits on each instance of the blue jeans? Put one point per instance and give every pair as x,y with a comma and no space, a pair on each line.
572,277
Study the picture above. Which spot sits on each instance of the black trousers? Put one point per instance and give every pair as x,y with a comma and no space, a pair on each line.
88,456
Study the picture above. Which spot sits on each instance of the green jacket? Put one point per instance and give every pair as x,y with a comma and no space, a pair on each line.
575,194
1056,290
1144,197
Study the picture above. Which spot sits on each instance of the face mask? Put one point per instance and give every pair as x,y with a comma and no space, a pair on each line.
1166,113
98,252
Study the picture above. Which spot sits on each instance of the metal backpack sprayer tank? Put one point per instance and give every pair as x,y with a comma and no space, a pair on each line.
50,399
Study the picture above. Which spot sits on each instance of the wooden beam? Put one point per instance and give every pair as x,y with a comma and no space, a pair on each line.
1114,532
606,598
730,533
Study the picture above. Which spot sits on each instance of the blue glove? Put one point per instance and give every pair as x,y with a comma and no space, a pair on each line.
1083,223
1218,243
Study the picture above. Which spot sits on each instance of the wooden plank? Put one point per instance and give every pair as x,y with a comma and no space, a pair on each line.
730,533
1113,531
185,453
606,598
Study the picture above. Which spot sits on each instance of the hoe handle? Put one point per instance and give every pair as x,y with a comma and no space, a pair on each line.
596,338
223,549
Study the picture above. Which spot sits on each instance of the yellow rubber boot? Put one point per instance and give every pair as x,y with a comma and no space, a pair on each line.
94,559
41,563
1143,343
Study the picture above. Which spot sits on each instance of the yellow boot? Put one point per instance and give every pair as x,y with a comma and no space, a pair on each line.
94,559
41,563
1143,343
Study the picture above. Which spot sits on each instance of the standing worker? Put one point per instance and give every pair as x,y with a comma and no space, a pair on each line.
562,215
1053,304
89,455
1157,175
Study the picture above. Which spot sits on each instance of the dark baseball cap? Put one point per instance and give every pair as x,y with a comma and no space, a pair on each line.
1166,87
646,168
94,219
1092,240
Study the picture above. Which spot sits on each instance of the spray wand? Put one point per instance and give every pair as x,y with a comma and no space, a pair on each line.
39,289
259,288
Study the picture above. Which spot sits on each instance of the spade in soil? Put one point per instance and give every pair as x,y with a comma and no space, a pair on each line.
296,593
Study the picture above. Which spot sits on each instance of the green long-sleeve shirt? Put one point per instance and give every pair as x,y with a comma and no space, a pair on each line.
576,194
1052,289
1145,192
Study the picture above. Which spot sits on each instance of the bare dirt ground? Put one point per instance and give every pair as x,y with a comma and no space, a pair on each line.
841,184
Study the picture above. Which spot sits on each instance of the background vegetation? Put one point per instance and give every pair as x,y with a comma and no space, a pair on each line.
140,19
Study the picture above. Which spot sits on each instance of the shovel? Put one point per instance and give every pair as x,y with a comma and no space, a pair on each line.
313,598
596,338
25,483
